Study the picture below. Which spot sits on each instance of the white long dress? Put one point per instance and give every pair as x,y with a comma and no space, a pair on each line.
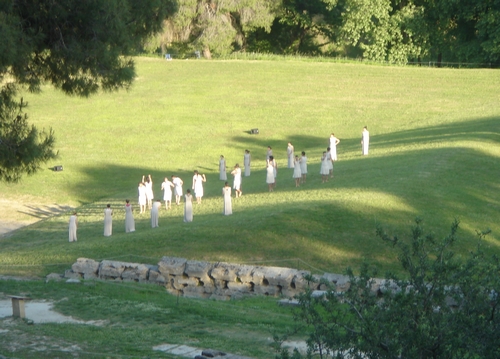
108,222
167,190
129,219
325,169
270,173
149,190
142,195
198,185
333,148
188,208
237,179
365,142
178,186
222,170
289,152
246,163
72,228
303,165
329,160
296,169
155,214
228,205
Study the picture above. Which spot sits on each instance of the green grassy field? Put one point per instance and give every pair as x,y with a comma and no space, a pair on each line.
434,153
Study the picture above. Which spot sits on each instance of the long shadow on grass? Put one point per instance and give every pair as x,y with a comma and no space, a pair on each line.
327,225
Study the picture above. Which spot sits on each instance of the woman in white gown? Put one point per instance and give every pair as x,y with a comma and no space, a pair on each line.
303,166
325,169
290,155
273,162
142,197
188,207
222,168
334,141
198,185
73,225
270,175
228,205
177,189
167,186
108,221
365,141
129,217
329,161
148,182
155,213
246,162
297,174
237,180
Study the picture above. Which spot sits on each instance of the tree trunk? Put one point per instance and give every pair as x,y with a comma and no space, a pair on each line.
206,53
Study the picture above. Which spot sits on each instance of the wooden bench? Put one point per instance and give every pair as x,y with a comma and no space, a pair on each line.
18,305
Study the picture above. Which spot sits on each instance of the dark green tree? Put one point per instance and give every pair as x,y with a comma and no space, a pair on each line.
442,307
79,47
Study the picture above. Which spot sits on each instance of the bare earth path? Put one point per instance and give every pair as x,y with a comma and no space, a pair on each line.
14,214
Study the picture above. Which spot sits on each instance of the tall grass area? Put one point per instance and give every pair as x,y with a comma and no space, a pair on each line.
434,153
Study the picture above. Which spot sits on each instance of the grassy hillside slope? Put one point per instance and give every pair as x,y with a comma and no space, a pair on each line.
434,153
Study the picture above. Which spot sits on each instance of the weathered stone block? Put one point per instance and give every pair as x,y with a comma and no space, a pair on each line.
195,292
135,272
198,269
244,273
300,283
89,276
171,266
240,287
280,276
267,290
112,269
85,265
156,277
225,271
72,275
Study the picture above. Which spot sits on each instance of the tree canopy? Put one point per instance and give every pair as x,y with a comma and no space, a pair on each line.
397,31
80,47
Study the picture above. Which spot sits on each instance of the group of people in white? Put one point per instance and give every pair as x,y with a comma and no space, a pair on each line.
174,185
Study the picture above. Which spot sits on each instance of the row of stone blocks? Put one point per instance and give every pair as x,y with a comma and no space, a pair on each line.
205,279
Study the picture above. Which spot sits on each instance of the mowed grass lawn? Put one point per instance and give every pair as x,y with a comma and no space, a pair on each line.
434,153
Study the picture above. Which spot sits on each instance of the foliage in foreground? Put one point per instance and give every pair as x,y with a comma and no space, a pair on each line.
447,307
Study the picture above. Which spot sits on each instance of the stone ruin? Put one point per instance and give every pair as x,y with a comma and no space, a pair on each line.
219,280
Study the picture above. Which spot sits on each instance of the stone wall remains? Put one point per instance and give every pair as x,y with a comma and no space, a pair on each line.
200,279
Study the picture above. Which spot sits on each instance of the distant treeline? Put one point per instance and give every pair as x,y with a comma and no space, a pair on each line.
397,31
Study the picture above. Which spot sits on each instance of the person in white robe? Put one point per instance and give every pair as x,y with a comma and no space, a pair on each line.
222,168
325,168
297,174
73,225
197,187
228,205
129,217
303,166
236,172
188,207
291,156
365,141
334,141
246,162
167,186
177,189
108,221
155,213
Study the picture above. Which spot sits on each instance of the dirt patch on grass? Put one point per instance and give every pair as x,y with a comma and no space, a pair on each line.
16,214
